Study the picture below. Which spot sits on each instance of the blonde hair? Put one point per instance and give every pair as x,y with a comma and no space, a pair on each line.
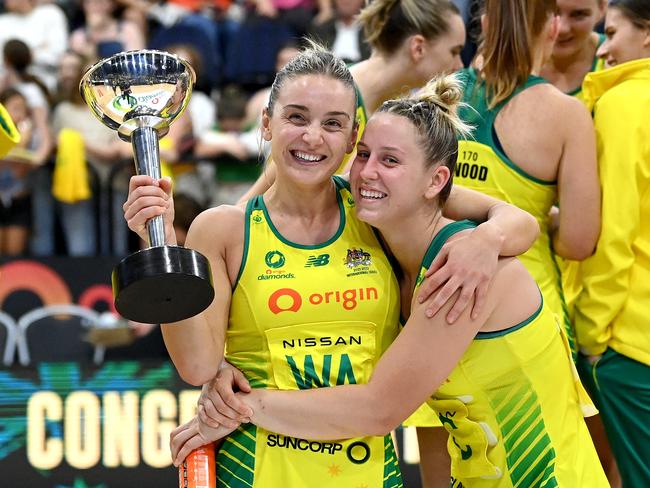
434,113
388,23
314,60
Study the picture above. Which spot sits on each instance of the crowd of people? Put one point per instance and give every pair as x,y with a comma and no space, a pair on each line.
46,48
454,248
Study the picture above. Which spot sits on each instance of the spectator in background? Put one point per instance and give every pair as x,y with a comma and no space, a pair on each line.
252,138
295,14
224,138
83,145
186,209
103,33
44,28
17,59
260,98
201,106
341,34
15,202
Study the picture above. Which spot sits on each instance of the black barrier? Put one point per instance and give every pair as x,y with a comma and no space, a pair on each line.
89,423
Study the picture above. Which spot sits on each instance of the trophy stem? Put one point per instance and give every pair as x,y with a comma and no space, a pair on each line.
146,153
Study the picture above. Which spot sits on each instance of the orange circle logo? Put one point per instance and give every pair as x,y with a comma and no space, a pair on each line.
294,296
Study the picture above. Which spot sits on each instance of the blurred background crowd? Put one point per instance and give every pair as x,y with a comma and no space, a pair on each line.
62,190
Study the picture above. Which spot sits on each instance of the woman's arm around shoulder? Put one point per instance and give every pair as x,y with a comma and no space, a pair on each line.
405,376
515,228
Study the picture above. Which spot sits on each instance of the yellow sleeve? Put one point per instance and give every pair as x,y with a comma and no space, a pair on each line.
606,274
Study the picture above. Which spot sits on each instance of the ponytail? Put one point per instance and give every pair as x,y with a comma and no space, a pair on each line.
387,24
513,27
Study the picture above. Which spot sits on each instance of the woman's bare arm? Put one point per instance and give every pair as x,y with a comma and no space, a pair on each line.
578,186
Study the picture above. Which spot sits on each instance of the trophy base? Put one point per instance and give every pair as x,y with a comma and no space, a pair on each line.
162,284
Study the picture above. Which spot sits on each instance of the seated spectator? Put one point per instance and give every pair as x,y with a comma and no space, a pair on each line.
201,107
260,98
17,59
15,202
295,14
103,33
341,34
233,147
44,28
224,138
252,138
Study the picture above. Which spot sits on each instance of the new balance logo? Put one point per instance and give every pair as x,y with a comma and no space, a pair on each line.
320,260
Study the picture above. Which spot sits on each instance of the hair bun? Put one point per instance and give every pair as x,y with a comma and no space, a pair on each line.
445,91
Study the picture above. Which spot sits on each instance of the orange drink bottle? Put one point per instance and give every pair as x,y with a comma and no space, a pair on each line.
198,469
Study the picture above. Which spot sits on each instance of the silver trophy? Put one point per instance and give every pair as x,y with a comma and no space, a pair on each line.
139,94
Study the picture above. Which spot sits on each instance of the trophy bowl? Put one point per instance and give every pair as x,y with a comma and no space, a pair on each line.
139,94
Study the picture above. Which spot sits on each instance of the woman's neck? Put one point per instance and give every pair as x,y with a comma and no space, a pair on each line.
379,79
308,201
305,216
409,241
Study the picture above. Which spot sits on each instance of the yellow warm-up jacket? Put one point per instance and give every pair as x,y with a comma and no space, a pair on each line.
613,309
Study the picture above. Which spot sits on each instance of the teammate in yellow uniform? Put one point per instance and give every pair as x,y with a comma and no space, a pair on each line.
574,53
411,41
304,296
509,426
612,311
532,146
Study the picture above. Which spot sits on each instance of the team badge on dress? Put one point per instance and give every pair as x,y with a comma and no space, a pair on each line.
357,257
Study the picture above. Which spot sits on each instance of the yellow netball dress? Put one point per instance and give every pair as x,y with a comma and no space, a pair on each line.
484,166
514,406
308,317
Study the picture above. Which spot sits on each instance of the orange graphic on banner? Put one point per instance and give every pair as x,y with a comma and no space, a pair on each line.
34,277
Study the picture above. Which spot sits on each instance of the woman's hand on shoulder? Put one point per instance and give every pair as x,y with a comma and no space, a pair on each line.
149,198
467,263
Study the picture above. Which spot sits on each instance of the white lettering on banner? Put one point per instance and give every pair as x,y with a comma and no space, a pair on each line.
105,427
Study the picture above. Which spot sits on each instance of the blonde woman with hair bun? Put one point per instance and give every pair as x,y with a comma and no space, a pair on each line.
486,377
